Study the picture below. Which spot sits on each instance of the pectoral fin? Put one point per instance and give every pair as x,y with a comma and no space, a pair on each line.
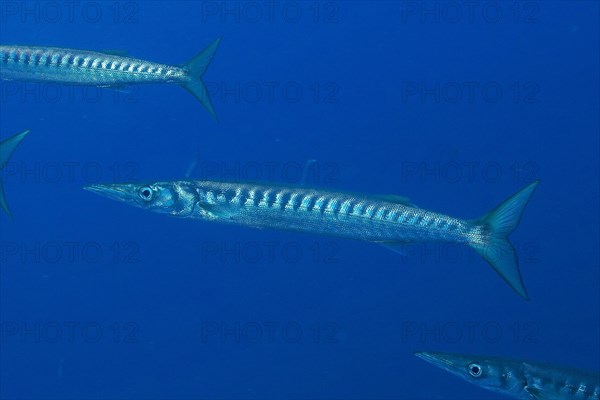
538,393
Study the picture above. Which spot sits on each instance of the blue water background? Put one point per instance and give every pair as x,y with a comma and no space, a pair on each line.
155,291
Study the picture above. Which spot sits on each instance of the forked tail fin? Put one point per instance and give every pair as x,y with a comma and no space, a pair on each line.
7,148
496,249
195,68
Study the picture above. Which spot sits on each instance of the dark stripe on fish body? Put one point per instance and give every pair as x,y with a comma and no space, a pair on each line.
243,195
13,56
382,212
370,210
229,194
282,198
256,196
272,200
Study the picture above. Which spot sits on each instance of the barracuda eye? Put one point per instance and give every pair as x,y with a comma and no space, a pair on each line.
475,370
146,193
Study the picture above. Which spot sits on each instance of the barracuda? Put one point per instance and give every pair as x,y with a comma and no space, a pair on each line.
82,67
519,379
390,221
7,148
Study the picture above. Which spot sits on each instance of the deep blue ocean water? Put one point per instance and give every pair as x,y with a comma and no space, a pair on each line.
456,106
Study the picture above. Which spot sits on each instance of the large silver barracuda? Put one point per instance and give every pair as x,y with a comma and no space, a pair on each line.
519,379
390,221
7,148
82,67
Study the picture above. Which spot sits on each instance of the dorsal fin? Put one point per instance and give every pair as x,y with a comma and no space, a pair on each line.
394,198
116,52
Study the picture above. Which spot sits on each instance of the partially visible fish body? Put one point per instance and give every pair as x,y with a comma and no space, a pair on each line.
83,67
526,380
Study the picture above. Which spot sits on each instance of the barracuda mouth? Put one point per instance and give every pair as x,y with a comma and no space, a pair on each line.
441,360
116,192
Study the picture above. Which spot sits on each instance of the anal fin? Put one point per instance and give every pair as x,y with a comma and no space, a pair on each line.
398,247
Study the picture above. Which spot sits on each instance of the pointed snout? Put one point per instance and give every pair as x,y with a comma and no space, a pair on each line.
445,361
113,191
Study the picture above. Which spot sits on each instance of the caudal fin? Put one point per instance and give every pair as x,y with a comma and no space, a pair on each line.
7,148
195,68
495,247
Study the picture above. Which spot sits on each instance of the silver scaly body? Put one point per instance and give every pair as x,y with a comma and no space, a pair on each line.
52,64
320,212
390,221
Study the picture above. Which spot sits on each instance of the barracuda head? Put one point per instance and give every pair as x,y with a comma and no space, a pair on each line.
162,197
487,372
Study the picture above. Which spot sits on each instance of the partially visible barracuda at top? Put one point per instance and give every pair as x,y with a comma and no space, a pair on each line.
390,221
526,380
82,67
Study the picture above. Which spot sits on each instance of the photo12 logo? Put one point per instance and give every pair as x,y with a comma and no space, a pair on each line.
54,93
469,172
68,332
69,12
269,332
310,172
273,92
271,252
68,253
270,12
470,12
454,253
436,332
70,172
470,92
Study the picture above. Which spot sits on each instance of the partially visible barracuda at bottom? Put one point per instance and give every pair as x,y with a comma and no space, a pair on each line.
7,148
390,221
519,379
